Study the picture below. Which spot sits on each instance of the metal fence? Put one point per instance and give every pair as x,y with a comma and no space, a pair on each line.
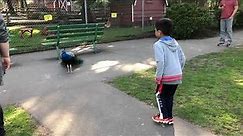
36,16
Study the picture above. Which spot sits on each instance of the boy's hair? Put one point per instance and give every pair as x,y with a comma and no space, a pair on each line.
165,25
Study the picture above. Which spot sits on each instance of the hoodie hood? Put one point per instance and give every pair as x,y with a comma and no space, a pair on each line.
169,42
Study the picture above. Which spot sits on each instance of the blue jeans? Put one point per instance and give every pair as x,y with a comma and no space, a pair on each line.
226,31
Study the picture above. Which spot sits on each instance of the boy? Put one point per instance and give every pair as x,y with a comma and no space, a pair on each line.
170,61
5,62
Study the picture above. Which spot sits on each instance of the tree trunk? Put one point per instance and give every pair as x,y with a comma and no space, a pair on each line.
10,6
22,4
90,17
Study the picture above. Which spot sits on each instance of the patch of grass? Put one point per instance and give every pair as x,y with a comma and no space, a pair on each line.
16,41
26,44
18,122
210,96
126,33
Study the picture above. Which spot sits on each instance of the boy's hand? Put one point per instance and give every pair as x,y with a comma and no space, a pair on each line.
157,81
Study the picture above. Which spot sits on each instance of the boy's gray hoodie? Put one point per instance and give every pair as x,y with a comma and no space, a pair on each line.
170,61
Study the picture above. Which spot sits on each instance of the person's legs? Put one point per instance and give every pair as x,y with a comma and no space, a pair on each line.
169,99
164,97
164,107
167,95
158,117
222,32
229,31
2,131
161,104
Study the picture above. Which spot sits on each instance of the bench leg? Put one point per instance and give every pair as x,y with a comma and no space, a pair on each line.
31,33
58,52
22,34
94,48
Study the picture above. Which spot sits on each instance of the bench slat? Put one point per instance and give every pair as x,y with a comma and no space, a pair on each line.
69,40
76,30
54,27
82,25
75,35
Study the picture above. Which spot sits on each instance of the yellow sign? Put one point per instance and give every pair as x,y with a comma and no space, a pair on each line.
113,15
47,17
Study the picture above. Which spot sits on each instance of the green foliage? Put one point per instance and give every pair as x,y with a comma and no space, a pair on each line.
241,6
100,3
188,19
215,13
239,18
210,95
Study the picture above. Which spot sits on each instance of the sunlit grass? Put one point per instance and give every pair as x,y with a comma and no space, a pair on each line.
16,41
36,31
18,122
12,28
239,82
210,96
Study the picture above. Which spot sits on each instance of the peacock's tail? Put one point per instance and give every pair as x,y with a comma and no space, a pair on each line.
78,61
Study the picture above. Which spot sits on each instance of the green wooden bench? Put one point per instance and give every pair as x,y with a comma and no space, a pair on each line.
63,36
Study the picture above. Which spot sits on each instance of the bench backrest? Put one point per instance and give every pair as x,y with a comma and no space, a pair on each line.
82,32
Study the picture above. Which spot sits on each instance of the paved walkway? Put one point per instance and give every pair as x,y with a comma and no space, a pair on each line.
82,104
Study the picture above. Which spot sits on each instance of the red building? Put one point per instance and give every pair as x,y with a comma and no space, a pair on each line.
130,12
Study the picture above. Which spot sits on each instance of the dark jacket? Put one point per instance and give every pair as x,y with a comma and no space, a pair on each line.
3,39
3,30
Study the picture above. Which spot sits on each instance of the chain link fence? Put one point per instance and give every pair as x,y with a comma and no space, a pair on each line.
61,11
27,23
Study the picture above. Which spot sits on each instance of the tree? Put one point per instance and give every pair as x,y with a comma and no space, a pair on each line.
10,6
89,2
23,4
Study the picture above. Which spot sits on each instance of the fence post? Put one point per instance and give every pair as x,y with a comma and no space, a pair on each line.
86,14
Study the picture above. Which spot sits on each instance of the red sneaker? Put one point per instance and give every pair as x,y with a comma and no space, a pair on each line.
157,119
168,121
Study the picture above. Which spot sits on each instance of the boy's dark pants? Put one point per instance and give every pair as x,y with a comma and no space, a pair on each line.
165,98
2,131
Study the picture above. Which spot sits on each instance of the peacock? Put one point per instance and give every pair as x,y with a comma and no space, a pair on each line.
69,59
